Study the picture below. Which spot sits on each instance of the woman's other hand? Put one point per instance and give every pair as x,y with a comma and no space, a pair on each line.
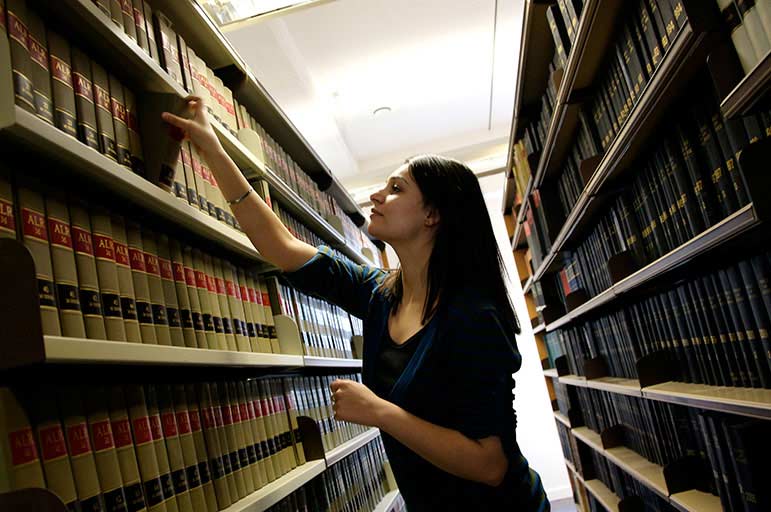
356,403
197,128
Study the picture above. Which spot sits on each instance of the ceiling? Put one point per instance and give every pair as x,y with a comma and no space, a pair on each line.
445,68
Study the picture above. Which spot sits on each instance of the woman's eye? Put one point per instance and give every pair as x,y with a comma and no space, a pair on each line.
395,188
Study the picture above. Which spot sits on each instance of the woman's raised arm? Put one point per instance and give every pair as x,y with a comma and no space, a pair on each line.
265,230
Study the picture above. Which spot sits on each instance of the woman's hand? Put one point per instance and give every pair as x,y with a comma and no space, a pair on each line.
197,128
356,403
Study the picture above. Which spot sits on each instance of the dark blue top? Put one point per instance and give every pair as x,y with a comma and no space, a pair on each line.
459,377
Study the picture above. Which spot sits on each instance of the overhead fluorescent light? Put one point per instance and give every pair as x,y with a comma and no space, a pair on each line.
225,12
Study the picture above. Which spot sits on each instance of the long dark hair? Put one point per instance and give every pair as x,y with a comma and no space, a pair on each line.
465,256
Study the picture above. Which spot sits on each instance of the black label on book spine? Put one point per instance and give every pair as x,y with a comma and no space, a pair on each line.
237,327
144,312
193,477
227,328
235,463
111,305
265,448
186,319
43,107
251,330
208,322
135,500
90,302
92,504
166,176
203,472
217,324
179,190
167,485
211,209
23,88
198,324
115,501
88,135
217,468
129,308
179,481
153,493
220,214
174,319
202,203
258,452
45,290
159,315
108,146
226,466
192,196
66,122
68,297
243,457
124,156
251,454
272,331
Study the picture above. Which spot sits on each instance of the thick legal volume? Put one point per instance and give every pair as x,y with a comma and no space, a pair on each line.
65,270
120,122
104,123
80,450
187,295
7,216
179,188
248,427
40,72
196,283
125,279
88,281
19,457
161,453
191,193
116,13
249,465
140,25
24,89
141,283
210,304
135,139
182,490
216,454
61,80
152,44
202,191
173,276
167,48
124,447
213,272
127,10
160,313
733,22
220,409
250,325
104,6
84,99
107,275
162,142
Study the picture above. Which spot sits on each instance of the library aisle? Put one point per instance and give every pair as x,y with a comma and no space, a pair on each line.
202,311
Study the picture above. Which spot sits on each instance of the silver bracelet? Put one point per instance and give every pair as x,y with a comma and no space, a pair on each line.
236,201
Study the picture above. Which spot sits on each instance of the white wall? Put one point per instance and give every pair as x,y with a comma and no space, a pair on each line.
536,429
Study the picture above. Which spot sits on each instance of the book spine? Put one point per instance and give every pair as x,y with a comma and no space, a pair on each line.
190,193
127,12
19,456
198,279
734,178
116,13
180,336
214,272
61,80
24,89
218,458
157,298
152,43
229,450
268,315
128,303
261,436
141,283
254,452
120,425
88,281
203,274
104,6
158,493
187,293
255,304
200,182
733,23
40,73
135,139
235,303
184,63
248,466
120,122
65,271
222,414
177,494
7,206
80,451
140,25
84,99
251,325
731,356
736,327
104,120
185,494
751,20
755,343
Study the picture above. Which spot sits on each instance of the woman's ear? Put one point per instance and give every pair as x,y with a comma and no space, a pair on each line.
432,218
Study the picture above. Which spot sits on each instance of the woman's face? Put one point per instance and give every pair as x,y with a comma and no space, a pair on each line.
398,212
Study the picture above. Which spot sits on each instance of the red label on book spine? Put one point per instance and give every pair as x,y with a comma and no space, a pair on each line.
137,258
235,412
104,247
121,432
207,415
166,271
183,423
230,288
61,71
119,111
179,273
77,437
60,233
6,216
153,267
243,293
139,18
101,433
122,256
253,296
133,122
227,416
17,30
169,424
200,280
142,434
265,299
38,52
195,420
102,98
243,411
82,241
23,450
220,284
210,284
156,430
257,409
52,443
126,7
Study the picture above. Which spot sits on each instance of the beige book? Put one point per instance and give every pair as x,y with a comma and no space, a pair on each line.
80,449
40,71
104,121
107,274
191,195
88,280
188,497
198,178
65,271
202,275
227,451
135,139
202,78
161,453
187,411
140,25
198,494
292,413
216,104
243,293
18,40
169,290
175,291
116,13
266,307
220,205
230,412
128,304
230,108
127,9
120,121
260,444
255,304
199,287
228,325
167,48
84,99
187,294
152,43
228,437
7,217
211,199
253,448
179,187
281,421
233,292
219,462
157,495
103,442
124,449
20,465
268,442
51,441
141,284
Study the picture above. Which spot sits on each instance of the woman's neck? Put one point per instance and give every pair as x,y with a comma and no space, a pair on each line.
414,265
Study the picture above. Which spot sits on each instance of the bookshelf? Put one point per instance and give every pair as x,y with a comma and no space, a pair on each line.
388,501
25,353
587,325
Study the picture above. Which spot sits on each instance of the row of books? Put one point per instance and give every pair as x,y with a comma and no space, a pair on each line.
536,130
159,447
315,401
713,327
571,183
325,329
356,483
749,23
732,450
563,20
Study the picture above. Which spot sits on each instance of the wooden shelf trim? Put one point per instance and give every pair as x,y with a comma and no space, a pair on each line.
339,453
749,90
605,496
387,502
562,418
539,328
330,362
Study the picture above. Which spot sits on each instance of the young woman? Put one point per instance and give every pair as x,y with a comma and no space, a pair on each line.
439,347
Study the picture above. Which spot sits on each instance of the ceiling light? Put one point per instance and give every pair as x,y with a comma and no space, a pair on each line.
381,111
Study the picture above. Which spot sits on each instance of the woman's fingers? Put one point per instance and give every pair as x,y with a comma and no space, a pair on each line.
177,121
